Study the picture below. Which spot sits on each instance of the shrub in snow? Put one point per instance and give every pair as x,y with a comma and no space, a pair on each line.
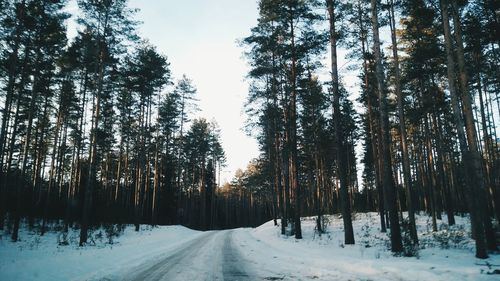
289,230
325,223
98,236
113,231
62,239
451,237
365,235
410,248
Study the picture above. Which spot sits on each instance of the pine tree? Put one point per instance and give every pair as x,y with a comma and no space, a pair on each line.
385,142
402,125
40,30
340,143
109,23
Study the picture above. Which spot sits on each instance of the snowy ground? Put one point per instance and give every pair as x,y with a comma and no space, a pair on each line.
445,255
42,258
178,253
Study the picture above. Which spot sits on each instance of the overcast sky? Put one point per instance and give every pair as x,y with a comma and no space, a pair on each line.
199,37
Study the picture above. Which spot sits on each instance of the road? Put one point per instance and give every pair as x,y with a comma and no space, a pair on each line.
213,256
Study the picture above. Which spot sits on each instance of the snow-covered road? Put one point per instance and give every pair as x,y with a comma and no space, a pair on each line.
212,256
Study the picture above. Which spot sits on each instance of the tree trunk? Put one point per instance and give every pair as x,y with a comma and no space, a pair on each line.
292,125
92,166
480,186
6,112
52,172
16,215
476,221
388,181
341,152
431,174
402,128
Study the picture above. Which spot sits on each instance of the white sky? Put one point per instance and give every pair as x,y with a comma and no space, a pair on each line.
199,39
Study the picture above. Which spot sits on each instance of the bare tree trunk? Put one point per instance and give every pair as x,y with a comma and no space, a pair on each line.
388,181
474,153
286,175
317,192
292,126
17,119
137,194
476,221
277,179
441,167
156,183
372,119
156,180
92,166
52,172
6,112
431,174
21,181
402,128
340,144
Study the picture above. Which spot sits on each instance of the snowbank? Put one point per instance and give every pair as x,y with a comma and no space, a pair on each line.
445,255
42,258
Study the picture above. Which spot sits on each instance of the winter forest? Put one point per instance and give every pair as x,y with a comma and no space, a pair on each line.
379,113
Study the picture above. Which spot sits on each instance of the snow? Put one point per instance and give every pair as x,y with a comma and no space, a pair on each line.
42,258
261,252
325,257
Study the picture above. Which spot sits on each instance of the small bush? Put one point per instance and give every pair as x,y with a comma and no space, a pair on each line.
410,248
450,237
62,239
365,236
120,228
325,223
35,243
98,236
113,231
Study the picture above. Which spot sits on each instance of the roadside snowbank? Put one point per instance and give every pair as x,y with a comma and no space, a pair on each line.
42,258
445,255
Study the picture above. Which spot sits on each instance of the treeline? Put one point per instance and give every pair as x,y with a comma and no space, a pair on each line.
94,129
427,126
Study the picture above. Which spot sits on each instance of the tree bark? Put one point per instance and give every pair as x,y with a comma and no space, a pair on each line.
388,181
470,177
292,126
89,189
340,147
402,128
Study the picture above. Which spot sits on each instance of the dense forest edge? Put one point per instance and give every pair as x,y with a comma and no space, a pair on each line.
95,130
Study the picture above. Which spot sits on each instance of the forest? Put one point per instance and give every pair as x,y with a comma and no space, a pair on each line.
427,127
96,131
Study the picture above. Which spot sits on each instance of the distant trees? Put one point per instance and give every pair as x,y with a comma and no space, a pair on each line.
445,134
201,145
93,129
245,200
